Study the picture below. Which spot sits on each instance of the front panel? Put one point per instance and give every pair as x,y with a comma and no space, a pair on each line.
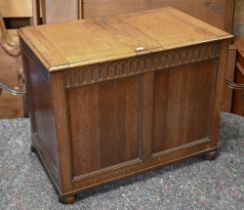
105,124
183,105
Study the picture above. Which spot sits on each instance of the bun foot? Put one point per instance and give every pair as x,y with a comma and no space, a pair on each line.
211,155
33,149
67,200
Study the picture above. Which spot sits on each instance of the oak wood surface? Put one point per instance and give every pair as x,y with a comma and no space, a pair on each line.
41,113
239,18
189,88
239,15
218,97
116,107
106,109
229,75
87,42
216,12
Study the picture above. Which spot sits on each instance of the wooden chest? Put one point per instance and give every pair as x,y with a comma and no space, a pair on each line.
117,96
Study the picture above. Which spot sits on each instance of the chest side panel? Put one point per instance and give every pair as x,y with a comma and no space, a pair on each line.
41,109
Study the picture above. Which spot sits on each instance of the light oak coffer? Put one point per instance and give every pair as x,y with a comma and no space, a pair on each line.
117,96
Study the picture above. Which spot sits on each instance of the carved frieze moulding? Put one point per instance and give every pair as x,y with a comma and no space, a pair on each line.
140,64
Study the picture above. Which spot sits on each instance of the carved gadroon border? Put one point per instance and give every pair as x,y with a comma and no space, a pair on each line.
139,64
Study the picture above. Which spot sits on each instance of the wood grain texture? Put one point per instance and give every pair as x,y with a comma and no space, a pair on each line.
147,129
216,12
239,16
143,63
105,121
63,133
79,45
43,125
41,115
119,116
219,91
229,75
183,104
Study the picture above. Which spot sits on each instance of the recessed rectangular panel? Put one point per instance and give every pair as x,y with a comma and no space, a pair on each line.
105,123
43,121
183,104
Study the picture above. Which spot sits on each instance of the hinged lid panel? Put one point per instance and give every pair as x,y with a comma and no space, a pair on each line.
79,43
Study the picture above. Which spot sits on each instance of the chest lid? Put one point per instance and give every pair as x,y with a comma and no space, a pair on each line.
78,43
